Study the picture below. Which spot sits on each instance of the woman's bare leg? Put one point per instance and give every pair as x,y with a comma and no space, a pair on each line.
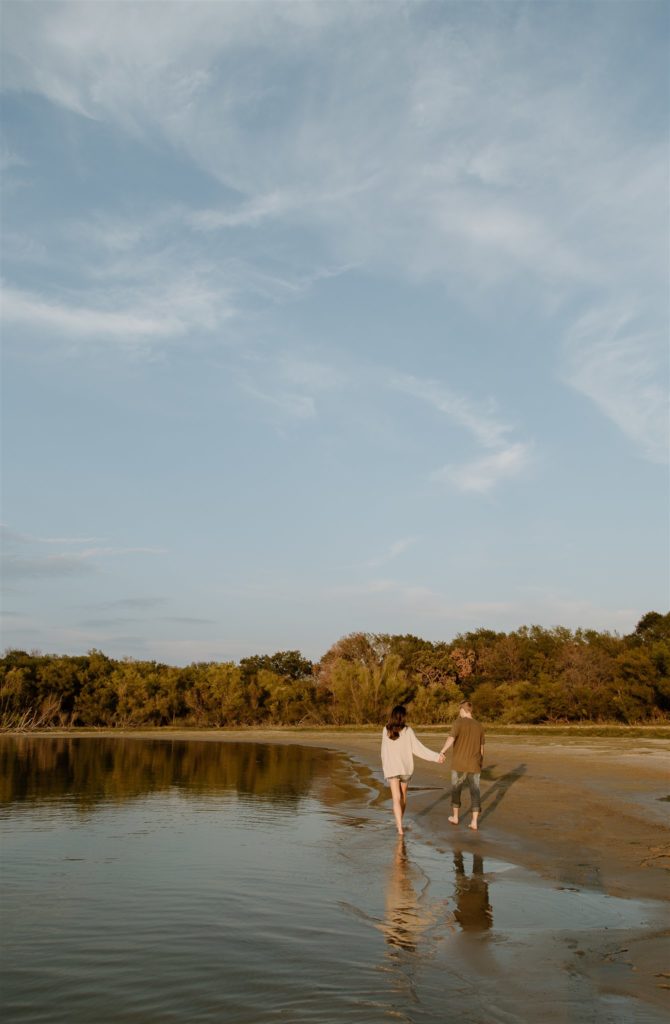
403,796
399,802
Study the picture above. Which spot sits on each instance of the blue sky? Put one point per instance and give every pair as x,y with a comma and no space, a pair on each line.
329,317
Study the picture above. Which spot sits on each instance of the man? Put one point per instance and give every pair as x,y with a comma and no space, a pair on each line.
467,739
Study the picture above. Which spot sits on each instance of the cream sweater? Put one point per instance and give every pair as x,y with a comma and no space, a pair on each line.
398,755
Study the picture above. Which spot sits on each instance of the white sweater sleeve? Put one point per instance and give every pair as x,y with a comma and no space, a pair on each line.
421,751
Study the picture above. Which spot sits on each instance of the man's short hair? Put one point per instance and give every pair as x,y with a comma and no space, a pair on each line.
466,705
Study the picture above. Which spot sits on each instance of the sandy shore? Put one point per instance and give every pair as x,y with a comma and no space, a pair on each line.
583,813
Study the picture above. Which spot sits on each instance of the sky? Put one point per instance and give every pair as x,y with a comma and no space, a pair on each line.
331,317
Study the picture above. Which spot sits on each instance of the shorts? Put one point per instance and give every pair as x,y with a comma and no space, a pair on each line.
403,778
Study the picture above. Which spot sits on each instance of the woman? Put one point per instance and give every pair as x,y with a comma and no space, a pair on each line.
399,745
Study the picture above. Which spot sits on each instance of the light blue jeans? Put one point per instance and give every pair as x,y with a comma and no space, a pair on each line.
458,780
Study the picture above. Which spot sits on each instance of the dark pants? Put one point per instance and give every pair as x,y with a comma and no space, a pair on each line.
458,780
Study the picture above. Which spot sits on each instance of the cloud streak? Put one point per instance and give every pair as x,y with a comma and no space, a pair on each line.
394,551
618,365
152,318
481,475
507,458
543,187
85,562
49,567
478,420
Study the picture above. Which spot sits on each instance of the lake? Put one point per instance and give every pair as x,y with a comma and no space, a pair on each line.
156,881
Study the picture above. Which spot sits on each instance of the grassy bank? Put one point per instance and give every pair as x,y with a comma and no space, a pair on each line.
656,731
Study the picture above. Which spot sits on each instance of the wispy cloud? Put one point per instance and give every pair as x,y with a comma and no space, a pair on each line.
281,405
620,366
189,620
48,567
313,374
9,158
247,214
25,308
115,621
381,161
135,603
483,474
112,622
479,419
390,593
146,321
89,560
382,157
287,385
508,458
15,537
395,549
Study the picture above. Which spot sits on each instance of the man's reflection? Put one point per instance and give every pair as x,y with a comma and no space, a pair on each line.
473,910
406,917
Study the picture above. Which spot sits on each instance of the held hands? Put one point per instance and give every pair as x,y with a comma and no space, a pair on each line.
442,758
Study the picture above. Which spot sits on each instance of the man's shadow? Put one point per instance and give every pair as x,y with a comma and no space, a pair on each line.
494,794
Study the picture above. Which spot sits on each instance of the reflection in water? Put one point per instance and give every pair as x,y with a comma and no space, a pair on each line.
88,772
473,910
408,912
411,913
213,900
402,919
210,896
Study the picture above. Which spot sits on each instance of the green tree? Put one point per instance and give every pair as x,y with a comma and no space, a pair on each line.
215,694
653,627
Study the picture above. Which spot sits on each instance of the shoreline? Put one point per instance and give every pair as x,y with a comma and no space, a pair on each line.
591,814
542,797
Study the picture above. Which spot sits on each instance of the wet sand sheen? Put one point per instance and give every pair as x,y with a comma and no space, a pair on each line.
515,917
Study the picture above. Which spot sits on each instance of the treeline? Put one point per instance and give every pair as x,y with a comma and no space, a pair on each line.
531,675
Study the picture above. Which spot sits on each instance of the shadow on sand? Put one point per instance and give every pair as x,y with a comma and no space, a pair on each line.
495,793
490,799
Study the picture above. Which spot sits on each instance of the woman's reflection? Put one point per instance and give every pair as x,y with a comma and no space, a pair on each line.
407,914
473,911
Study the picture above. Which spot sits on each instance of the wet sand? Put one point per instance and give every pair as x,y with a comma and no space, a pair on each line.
586,814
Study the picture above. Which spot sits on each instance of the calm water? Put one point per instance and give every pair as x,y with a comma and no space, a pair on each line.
157,881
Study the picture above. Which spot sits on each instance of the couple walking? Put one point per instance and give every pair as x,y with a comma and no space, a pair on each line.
400,745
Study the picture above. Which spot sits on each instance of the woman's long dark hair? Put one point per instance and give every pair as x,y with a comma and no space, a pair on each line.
396,722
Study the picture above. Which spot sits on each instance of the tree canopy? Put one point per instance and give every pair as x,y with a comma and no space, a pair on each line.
530,675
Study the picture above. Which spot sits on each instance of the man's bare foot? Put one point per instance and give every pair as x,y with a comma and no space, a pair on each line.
452,821
401,832
474,826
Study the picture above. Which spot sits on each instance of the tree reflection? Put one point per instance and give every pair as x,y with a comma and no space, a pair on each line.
88,771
